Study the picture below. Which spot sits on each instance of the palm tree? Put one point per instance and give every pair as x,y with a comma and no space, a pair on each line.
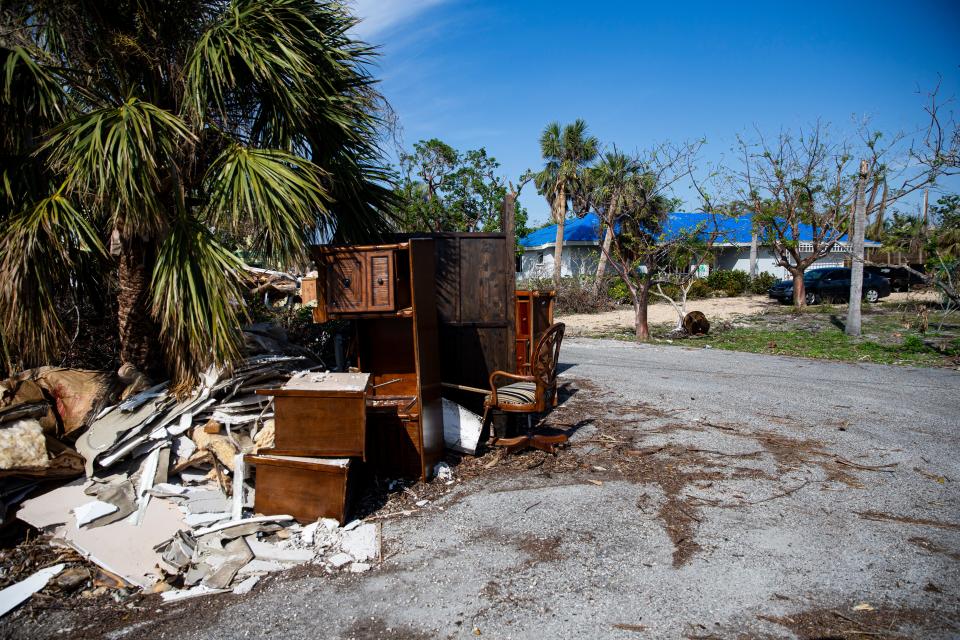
566,152
612,180
175,128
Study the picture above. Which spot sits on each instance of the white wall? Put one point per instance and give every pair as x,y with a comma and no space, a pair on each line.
582,260
739,258
577,260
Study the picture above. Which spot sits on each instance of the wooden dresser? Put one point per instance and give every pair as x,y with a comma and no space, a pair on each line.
388,291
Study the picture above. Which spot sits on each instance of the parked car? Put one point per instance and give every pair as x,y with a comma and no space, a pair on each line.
900,279
831,283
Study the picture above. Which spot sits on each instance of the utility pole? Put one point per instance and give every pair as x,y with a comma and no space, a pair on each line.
753,253
856,264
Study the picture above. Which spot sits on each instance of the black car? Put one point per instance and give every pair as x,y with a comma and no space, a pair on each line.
900,278
831,283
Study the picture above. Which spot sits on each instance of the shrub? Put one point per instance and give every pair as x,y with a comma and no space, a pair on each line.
617,291
762,283
699,290
732,283
575,296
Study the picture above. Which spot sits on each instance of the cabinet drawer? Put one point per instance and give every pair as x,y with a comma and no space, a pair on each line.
380,270
345,279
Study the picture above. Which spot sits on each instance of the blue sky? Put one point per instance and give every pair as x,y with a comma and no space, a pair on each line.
494,73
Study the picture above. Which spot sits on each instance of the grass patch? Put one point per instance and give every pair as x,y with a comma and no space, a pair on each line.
818,332
831,344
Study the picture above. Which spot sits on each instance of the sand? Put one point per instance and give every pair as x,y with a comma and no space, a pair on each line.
716,309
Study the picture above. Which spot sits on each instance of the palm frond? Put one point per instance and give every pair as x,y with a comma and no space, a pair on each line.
276,193
39,252
118,156
196,299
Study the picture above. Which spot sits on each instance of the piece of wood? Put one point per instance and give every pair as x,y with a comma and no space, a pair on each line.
212,426
426,347
305,488
308,290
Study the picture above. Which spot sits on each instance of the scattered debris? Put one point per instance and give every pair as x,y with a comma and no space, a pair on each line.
13,595
461,428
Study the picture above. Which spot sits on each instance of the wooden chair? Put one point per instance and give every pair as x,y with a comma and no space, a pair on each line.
529,394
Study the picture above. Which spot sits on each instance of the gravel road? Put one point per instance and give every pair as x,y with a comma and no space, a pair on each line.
706,494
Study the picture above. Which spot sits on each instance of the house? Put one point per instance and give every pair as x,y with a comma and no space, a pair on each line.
581,246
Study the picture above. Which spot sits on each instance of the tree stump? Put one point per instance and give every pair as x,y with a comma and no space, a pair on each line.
695,323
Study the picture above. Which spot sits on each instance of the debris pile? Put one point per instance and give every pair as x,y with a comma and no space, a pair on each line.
165,503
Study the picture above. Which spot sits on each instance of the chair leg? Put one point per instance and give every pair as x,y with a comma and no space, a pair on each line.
485,425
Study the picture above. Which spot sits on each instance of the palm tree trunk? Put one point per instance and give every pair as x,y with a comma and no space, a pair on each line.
856,267
560,215
139,344
604,252
753,255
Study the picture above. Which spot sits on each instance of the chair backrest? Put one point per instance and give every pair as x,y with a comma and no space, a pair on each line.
544,368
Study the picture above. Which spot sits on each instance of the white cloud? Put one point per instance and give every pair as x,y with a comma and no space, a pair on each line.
379,16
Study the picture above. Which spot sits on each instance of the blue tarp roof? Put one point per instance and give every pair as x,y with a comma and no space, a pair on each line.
732,230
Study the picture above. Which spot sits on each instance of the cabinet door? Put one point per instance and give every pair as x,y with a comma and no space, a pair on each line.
345,283
380,270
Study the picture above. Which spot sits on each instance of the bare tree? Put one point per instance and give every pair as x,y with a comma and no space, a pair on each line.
795,183
691,248
641,248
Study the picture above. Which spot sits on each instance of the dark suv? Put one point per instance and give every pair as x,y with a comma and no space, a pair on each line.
900,279
831,283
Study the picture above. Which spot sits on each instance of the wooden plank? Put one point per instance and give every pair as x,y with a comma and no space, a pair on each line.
422,279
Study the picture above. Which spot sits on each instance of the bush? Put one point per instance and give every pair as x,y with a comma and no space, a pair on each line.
732,283
699,290
762,283
576,296
617,291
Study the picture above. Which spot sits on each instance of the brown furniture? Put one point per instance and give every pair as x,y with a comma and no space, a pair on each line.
321,414
528,394
534,315
389,293
308,289
302,487
475,284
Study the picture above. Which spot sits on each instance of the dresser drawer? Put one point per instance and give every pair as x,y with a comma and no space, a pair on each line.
345,283
381,282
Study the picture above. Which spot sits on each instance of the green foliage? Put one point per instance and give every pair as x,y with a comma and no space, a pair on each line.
699,289
618,292
190,128
730,282
762,283
946,212
443,189
567,151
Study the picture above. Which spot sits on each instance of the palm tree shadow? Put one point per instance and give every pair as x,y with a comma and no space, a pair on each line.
837,322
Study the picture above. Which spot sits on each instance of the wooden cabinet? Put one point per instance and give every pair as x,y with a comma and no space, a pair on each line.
305,488
394,316
358,280
475,285
321,414
534,315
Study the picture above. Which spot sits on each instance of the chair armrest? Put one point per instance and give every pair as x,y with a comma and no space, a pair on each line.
510,376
